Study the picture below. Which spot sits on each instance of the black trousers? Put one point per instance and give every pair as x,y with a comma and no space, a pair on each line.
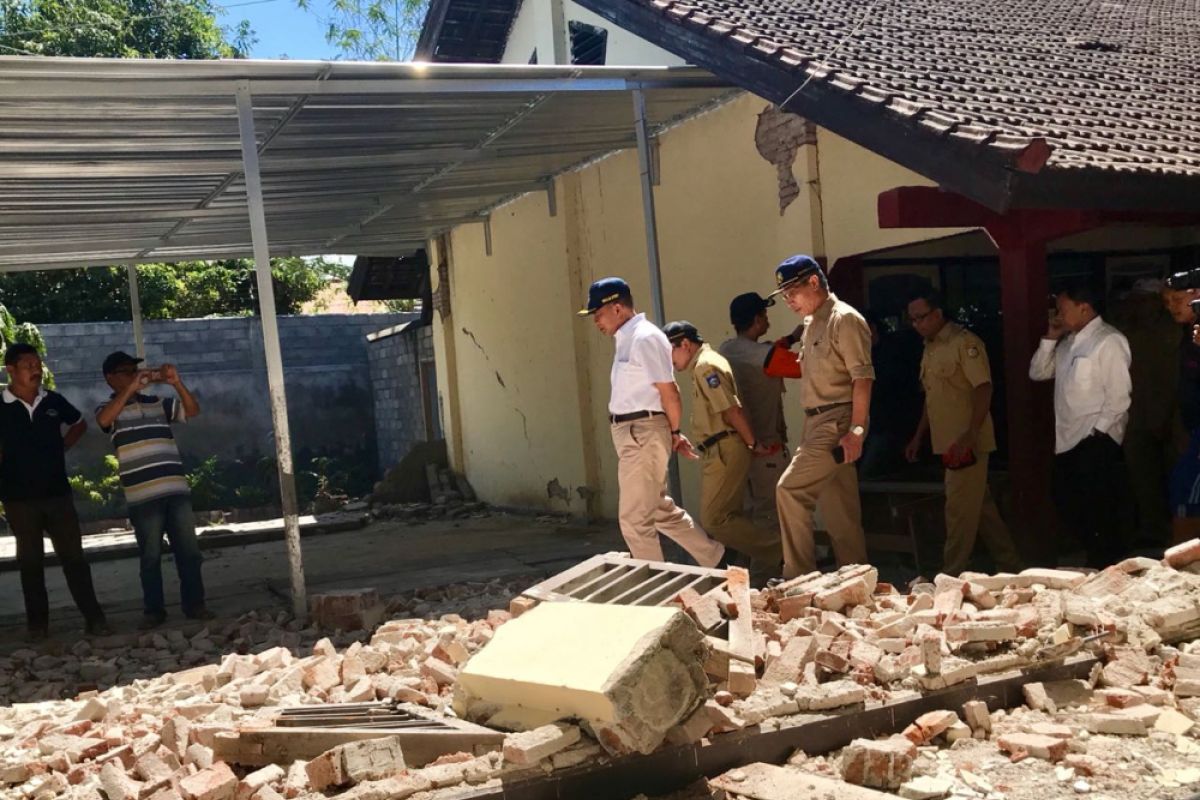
55,516
1087,492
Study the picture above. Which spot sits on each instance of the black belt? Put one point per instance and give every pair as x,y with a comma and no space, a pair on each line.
632,415
710,441
812,412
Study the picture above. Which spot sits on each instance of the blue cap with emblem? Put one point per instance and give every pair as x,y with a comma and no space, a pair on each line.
603,292
793,269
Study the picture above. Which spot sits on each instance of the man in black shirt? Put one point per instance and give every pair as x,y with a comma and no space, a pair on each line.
37,427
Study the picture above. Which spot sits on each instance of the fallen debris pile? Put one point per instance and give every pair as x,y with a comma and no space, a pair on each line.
630,677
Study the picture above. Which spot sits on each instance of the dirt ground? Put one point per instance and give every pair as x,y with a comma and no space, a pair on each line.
390,556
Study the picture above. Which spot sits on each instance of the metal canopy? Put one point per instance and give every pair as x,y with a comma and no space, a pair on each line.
121,161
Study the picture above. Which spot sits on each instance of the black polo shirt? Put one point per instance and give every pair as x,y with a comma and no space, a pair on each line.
33,461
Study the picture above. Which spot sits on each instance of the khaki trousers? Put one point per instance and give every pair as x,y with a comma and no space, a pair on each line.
813,475
644,507
722,512
970,509
765,472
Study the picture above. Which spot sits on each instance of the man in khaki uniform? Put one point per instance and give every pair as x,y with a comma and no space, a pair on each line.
761,395
958,397
644,411
728,445
835,359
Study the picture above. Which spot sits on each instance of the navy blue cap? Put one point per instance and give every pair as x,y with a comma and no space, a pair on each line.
114,361
682,329
745,307
603,292
793,269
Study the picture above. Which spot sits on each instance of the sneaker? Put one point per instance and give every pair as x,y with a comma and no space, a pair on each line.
98,627
151,620
201,613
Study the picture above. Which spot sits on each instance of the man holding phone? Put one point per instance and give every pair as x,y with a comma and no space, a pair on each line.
1088,360
152,475
957,415
835,385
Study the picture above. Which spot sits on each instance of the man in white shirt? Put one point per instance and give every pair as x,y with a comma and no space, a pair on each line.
1088,360
644,411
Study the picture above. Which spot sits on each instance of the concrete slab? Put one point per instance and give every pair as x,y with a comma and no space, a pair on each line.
631,672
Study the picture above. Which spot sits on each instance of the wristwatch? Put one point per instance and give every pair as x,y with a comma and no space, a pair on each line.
676,432
858,430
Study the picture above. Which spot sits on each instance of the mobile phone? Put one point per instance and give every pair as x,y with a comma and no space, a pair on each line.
839,454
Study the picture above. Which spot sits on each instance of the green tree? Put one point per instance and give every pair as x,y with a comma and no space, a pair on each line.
371,30
167,291
119,29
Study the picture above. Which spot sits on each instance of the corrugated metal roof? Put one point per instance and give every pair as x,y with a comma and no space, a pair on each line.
122,161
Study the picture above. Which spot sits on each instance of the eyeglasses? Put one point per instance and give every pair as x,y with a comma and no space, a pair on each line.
124,371
913,319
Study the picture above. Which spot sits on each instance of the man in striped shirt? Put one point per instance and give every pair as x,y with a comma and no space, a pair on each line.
156,487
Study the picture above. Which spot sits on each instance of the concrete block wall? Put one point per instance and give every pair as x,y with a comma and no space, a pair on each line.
326,369
395,362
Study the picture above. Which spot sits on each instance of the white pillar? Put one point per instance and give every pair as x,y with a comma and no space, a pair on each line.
135,308
274,356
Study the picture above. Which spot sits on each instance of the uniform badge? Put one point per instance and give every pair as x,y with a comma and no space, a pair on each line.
973,351
713,380
52,412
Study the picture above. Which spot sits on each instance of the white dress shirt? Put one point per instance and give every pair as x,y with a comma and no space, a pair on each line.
642,359
1092,389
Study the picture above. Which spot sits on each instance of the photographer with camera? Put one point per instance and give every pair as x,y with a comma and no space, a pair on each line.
156,487
1182,298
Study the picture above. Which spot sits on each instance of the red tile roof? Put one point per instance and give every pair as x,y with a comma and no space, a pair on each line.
1058,101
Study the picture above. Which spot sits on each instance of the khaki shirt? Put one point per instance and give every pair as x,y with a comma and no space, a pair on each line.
954,363
835,351
713,391
761,395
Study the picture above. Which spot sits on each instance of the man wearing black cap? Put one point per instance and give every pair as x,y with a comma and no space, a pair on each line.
152,476
37,427
644,411
728,445
761,392
835,358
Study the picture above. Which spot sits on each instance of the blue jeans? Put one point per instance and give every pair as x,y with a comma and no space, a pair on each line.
173,516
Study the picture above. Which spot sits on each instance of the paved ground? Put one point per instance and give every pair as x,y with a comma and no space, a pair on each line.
388,556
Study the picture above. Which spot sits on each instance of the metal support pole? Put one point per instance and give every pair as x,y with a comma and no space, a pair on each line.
135,308
271,349
651,225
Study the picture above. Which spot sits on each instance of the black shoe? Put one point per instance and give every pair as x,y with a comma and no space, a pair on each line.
200,613
98,627
773,582
151,620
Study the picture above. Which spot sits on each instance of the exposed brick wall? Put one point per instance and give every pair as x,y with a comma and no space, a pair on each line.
395,377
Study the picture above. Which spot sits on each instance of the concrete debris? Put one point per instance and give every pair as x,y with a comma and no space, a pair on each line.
146,711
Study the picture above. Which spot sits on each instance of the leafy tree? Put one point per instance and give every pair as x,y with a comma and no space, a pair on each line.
372,30
167,291
119,29
13,332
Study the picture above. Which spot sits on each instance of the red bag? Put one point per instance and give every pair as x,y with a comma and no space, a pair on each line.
782,363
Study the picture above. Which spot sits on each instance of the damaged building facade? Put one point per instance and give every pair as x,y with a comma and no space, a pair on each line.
523,384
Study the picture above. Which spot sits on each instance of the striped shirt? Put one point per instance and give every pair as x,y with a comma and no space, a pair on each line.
149,461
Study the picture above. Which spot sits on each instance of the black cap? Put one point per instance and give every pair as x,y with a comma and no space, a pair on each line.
114,361
745,307
682,329
603,292
793,268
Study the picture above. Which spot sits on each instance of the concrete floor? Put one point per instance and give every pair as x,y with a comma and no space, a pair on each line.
388,556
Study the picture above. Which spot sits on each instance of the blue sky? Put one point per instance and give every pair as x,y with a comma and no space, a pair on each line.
281,27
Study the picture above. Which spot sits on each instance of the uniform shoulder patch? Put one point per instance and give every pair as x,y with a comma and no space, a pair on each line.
713,379
972,351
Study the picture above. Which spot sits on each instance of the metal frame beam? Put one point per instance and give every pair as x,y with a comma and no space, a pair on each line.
274,355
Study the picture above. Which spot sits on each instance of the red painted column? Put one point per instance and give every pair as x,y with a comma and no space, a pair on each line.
1024,294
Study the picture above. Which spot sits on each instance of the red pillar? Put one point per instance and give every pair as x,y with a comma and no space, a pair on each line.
1024,293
